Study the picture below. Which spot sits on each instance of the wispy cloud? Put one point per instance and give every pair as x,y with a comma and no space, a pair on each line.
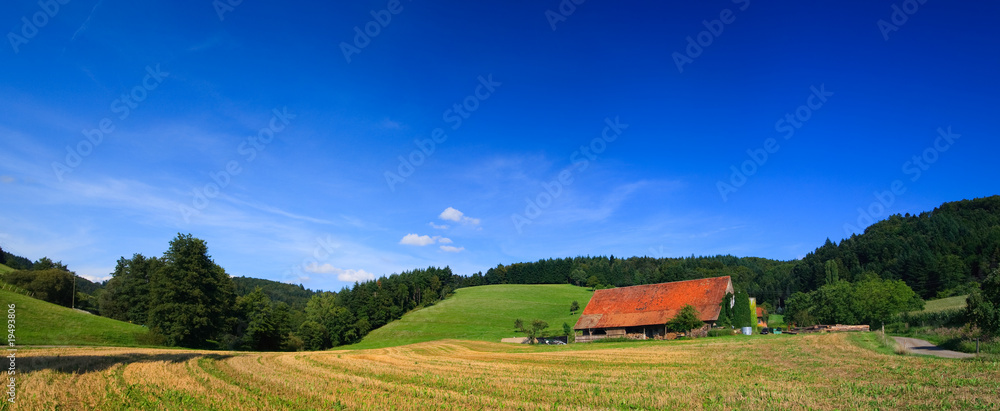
277,211
86,22
450,249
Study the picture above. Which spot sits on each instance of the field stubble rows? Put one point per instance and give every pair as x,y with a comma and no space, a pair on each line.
815,371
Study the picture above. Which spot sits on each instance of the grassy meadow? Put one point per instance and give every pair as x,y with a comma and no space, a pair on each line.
945,304
822,371
485,313
43,323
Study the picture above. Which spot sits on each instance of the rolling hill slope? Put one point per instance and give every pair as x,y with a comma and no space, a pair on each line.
42,323
484,313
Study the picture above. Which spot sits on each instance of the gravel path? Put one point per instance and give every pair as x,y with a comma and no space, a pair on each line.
925,348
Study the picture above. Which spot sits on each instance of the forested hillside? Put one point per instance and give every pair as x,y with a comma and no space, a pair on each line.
296,296
761,277
938,253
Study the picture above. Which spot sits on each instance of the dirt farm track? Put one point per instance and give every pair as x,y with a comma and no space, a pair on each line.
760,372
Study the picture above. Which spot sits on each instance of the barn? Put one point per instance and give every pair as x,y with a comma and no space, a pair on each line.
643,310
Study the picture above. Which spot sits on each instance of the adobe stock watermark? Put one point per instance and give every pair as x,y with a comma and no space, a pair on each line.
363,37
713,29
11,353
225,6
247,149
580,160
915,168
787,125
123,107
565,9
455,116
31,27
899,16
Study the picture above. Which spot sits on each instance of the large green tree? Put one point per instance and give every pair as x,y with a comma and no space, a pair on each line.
871,301
191,296
126,296
983,307
260,327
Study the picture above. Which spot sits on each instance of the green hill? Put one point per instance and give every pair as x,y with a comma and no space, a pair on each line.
945,304
484,313
5,269
42,323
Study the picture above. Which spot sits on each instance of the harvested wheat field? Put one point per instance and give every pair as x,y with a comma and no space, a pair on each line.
815,371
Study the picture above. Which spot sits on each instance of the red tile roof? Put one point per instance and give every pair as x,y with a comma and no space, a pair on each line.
760,312
653,304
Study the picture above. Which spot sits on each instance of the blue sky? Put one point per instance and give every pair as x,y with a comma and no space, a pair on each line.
304,152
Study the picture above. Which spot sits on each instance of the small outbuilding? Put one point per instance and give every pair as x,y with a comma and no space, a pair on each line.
642,311
761,317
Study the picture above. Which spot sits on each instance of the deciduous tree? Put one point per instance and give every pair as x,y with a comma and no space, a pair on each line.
983,306
687,319
191,296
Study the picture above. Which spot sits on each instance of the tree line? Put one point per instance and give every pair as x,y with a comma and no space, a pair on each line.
188,300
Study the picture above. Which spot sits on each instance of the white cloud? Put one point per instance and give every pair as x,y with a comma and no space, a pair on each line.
438,227
342,274
418,240
444,240
450,249
452,214
9,179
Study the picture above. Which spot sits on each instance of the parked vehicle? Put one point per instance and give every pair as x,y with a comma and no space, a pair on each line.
764,331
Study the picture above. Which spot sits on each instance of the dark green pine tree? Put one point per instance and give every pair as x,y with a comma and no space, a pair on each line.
191,296
126,296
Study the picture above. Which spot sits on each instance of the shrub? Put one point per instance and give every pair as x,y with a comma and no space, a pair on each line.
946,318
686,320
720,332
151,338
